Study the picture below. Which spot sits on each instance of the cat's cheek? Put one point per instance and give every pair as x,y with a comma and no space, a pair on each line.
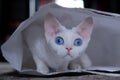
75,55
61,53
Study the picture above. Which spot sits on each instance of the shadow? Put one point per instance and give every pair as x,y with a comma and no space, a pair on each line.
68,74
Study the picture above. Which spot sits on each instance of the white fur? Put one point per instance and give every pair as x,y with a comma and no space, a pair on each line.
53,56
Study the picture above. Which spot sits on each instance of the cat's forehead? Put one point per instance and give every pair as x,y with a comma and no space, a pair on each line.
69,33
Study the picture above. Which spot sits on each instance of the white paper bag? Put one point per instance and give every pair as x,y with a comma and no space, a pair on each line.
103,50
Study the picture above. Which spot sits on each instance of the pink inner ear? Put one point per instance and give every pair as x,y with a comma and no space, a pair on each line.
51,31
85,28
51,25
85,34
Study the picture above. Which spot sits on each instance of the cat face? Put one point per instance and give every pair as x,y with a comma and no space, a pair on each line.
67,43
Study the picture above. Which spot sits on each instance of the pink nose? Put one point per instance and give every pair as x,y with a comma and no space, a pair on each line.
68,49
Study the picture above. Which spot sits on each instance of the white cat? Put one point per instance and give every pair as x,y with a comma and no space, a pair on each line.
60,49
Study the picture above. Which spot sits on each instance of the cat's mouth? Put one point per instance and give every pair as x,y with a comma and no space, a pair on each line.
68,54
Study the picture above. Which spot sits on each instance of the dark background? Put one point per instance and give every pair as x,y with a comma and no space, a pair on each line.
13,12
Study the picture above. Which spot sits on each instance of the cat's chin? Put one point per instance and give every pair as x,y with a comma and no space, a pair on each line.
68,57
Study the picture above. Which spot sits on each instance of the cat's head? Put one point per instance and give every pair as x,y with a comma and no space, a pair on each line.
67,43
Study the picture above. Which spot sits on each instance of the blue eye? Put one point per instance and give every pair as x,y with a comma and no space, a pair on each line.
78,42
59,40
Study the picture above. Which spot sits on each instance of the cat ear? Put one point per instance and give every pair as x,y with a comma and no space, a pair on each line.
85,28
52,25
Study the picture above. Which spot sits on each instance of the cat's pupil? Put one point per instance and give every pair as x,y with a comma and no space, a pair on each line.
77,42
59,40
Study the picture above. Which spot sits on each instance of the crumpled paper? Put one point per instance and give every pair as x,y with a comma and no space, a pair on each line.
103,49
